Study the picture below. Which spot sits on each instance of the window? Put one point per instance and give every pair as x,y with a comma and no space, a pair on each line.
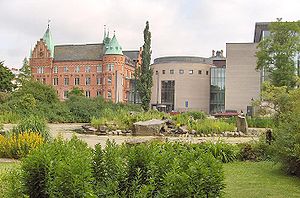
181,71
87,69
109,94
163,71
99,81
199,71
110,67
44,80
55,81
171,71
99,93
55,70
66,69
40,70
109,80
76,81
87,80
77,69
206,72
87,94
191,71
156,72
66,94
66,81
99,68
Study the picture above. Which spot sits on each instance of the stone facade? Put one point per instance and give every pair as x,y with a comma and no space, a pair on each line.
86,66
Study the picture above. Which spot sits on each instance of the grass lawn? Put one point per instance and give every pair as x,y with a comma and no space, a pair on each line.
259,179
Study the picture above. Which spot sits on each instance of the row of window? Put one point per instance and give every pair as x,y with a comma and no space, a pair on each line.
181,71
88,94
110,67
87,81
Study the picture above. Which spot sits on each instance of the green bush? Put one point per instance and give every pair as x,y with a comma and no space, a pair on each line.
223,151
9,117
157,169
33,124
59,169
255,151
207,126
11,184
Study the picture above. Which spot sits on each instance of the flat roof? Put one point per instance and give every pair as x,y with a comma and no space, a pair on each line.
182,59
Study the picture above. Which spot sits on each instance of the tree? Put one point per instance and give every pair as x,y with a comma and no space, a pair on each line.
25,72
144,74
6,77
277,53
76,92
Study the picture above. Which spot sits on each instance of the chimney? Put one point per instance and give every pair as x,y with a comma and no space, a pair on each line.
213,53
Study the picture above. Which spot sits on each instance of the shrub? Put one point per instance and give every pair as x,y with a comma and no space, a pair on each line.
9,117
255,151
19,145
157,169
210,126
222,151
59,169
33,124
260,122
11,181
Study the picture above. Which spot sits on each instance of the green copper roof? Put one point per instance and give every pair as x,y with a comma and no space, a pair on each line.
48,40
113,47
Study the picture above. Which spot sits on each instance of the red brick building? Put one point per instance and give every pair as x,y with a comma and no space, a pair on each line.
100,69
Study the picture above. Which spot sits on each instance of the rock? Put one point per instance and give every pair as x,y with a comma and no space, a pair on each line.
209,135
241,124
193,132
102,128
150,127
110,133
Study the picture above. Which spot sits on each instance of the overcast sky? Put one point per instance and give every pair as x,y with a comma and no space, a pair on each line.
179,27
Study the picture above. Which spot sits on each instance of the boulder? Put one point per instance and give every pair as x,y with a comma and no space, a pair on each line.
149,127
241,124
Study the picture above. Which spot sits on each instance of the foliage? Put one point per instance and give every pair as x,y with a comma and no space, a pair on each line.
144,73
186,117
19,145
277,52
6,77
255,151
10,180
287,142
207,126
59,169
124,119
254,122
9,117
222,151
33,124
156,170
76,92
25,72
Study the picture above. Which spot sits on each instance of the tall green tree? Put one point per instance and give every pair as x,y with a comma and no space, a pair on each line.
6,77
277,53
144,74
25,72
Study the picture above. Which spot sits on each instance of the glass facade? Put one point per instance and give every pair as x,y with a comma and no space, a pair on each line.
217,89
167,94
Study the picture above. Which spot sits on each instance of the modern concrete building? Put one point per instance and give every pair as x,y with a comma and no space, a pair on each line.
242,81
182,83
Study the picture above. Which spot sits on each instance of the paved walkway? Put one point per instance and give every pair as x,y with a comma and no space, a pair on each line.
67,131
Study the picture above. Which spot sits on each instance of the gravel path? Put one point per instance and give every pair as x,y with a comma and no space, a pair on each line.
67,131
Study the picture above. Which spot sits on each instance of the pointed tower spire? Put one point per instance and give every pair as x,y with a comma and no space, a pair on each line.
47,38
104,35
114,47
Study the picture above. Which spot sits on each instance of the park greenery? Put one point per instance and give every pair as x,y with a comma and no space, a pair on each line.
276,54
144,73
6,79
